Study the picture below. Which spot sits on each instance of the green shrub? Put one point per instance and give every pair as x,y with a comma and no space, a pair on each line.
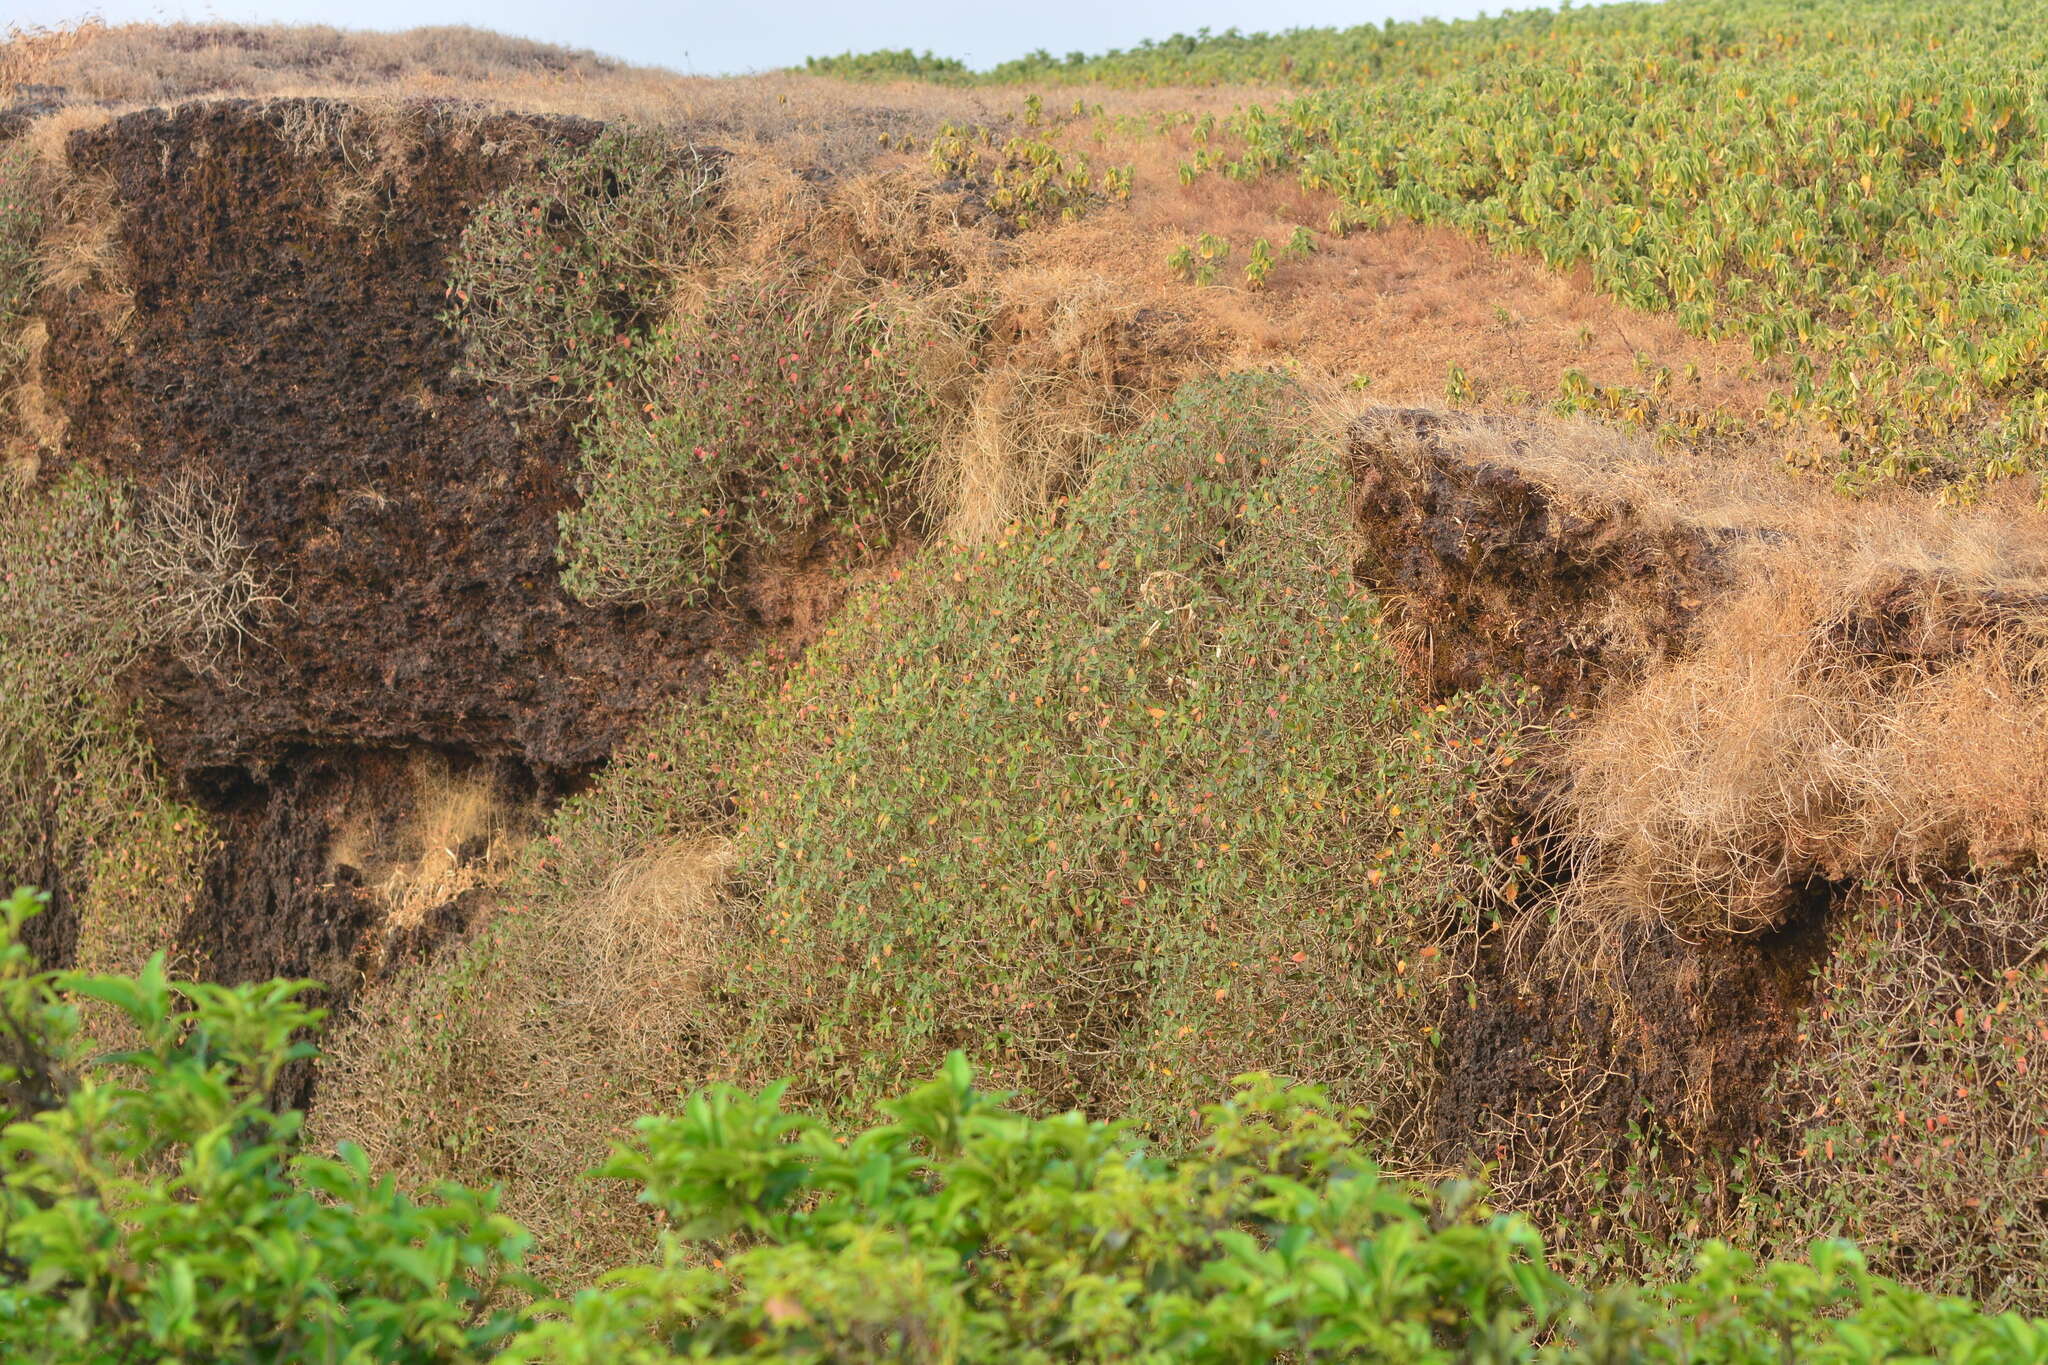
778,410
1106,800
778,407
82,804
1918,1092
153,1206
961,1230
1027,180
887,64
558,277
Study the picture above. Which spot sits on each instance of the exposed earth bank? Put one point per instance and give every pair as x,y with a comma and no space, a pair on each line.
275,334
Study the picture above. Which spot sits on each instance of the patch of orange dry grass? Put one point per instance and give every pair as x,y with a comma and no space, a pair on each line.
1871,700
1400,305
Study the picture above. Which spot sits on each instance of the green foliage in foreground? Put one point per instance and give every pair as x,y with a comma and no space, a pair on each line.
153,1207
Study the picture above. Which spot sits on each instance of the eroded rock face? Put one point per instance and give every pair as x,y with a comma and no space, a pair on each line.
1497,575
287,262
1500,569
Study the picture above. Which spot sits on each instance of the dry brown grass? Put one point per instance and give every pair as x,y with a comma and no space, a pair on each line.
30,427
1864,694
85,248
534,1048
28,55
1871,700
1399,305
829,124
460,831
160,63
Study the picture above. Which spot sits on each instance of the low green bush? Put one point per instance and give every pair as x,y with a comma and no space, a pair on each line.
887,64
1107,801
714,415
775,412
153,1206
962,1230
1918,1091
1027,179
559,276
83,807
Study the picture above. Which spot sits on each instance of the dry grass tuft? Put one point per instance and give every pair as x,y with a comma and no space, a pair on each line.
29,56
32,427
460,832
645,932
532,1049
202,591
82,252
48,138
1059,379
1871,699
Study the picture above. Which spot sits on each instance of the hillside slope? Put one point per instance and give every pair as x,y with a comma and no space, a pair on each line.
636,581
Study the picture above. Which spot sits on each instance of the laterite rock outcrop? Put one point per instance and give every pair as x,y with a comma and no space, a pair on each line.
1500,568
267,316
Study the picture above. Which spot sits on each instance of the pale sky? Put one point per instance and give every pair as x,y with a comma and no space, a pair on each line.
746,35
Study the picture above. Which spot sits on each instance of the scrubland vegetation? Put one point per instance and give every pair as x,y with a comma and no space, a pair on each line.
1225,987
157,1208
